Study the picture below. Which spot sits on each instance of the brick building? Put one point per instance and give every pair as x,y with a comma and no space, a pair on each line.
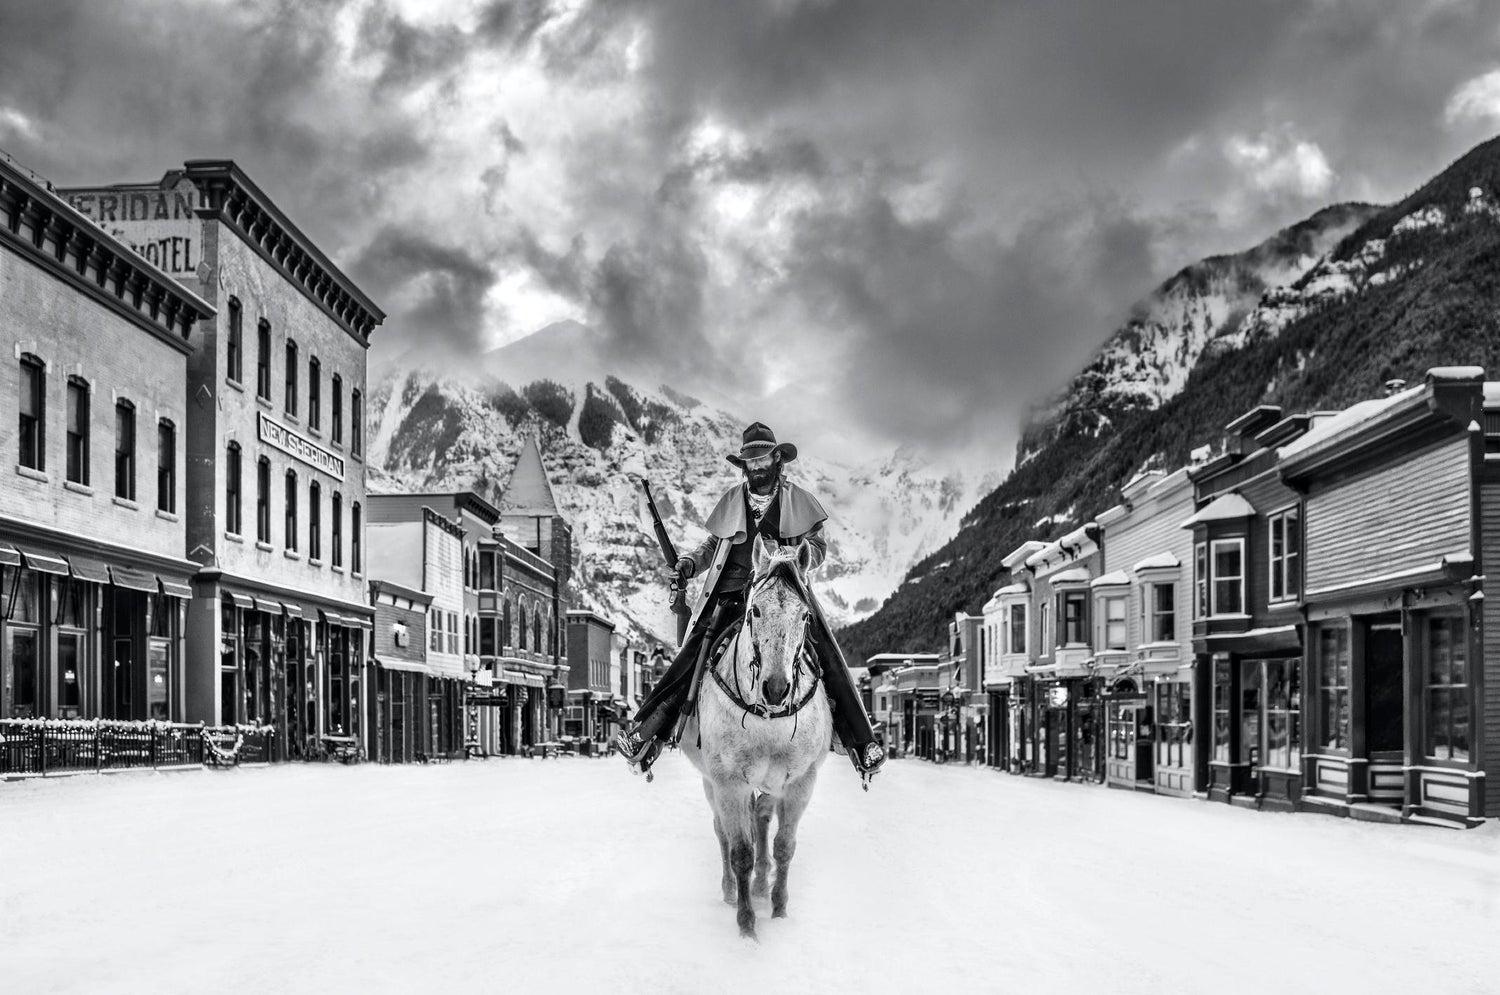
93,582
274,467
395,723
593,702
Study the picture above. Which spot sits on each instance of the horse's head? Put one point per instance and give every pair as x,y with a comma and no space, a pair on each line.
776,620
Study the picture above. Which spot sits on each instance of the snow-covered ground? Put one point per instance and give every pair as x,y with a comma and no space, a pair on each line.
569,875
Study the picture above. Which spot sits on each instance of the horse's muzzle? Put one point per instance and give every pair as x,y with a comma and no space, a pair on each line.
774,689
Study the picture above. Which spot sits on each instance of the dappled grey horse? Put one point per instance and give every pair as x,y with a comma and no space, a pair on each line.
761,732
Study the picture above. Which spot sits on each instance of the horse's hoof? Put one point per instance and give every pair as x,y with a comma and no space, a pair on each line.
779,912
748,933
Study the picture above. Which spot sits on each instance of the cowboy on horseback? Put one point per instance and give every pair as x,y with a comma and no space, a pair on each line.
768,507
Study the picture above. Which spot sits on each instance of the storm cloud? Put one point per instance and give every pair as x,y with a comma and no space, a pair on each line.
883,222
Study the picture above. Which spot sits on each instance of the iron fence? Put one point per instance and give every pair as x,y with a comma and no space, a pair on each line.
62,746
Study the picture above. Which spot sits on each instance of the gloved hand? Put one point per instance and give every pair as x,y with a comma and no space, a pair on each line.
684,567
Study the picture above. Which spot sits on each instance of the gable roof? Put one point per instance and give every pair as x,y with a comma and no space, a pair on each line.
529,492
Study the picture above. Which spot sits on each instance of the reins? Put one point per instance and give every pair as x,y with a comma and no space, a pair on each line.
747,626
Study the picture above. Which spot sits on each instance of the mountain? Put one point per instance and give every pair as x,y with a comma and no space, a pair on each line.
1318,317
439,430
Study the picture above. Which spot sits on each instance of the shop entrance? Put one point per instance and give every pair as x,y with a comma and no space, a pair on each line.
1385,717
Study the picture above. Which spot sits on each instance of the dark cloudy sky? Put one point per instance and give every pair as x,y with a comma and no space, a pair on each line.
891,222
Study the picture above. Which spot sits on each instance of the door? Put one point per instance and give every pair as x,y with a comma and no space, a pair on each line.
1385,715
1252,700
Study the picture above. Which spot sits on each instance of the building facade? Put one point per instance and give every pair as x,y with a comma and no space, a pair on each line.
274,463
93,580
396,726
1066,711
1143,635
593,704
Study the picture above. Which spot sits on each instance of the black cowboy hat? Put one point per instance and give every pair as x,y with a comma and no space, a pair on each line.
758,440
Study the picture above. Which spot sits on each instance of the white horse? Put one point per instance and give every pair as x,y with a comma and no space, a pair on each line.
761,732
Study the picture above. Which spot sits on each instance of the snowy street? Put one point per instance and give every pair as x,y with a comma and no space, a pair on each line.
570,875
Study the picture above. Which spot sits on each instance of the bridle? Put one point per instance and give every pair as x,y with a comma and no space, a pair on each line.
746,630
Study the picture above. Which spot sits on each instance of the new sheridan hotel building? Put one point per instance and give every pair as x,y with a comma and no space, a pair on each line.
274,504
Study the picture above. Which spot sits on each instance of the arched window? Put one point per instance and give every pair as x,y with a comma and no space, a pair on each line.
78,430
356,422
536,630
356,538
234,367
232,489
336,516
505,633
291,377
291,510
125,450
521,628
314,521
263,500
314,392
33,404
337,428
263,359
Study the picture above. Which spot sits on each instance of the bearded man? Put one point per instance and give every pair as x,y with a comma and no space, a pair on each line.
767,505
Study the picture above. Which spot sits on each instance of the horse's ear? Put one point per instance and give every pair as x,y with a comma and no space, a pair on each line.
804,556
760,557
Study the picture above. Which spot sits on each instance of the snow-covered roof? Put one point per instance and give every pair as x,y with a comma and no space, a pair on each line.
1357,415
1010,589
1021,553
1221,508
1115,578
528,491
1160,561
1077,575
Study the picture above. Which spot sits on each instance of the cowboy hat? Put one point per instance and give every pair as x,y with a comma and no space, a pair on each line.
758,440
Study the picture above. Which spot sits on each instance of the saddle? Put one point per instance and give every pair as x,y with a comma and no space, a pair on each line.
709,658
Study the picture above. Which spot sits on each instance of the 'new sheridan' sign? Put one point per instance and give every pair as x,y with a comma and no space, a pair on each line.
302,448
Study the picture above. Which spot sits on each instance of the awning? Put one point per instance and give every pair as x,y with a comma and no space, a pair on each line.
391,663
135,580
8,555
292,611
331,618
46,563
1225,507
363,621
533,681
89,570
176,589
240,600
267,605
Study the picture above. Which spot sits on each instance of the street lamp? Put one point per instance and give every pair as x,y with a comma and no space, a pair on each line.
471,741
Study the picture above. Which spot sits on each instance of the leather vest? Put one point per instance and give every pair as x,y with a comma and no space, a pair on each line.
739,568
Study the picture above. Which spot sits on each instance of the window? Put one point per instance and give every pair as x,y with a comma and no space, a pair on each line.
506,632
354,538
314,393
263,360
1333,687
487,571
356,422
1114,623
1228,576
452,632
235,362
232,491
435,630
263,500
125,450
1200,581
1161,613
337,428
78,431
1283,684
1174,721
336,516
1073,611
1044,627
487,637
291,510
166,466
536,630
33,405
314,521
1221,706
1017,629
1445,689
1286,549
291,377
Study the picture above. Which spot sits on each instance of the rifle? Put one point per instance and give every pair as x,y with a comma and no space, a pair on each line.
669,554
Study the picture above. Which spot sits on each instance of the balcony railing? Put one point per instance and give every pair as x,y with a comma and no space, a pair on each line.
31,747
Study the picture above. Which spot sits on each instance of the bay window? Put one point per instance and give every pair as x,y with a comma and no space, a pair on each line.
1160,602
1200,580
1114,623
1073,611
1017,629
1228,579
1445,689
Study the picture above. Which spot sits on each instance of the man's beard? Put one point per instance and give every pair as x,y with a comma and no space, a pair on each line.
761,480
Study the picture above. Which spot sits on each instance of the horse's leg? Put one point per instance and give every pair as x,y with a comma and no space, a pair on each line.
765,805
736,811
789,813
726,878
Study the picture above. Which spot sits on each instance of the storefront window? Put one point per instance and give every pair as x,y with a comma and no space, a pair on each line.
1333,687
1173,723
69,672
1283,683
1221,707
228,663
23,673
24,595
1446,689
